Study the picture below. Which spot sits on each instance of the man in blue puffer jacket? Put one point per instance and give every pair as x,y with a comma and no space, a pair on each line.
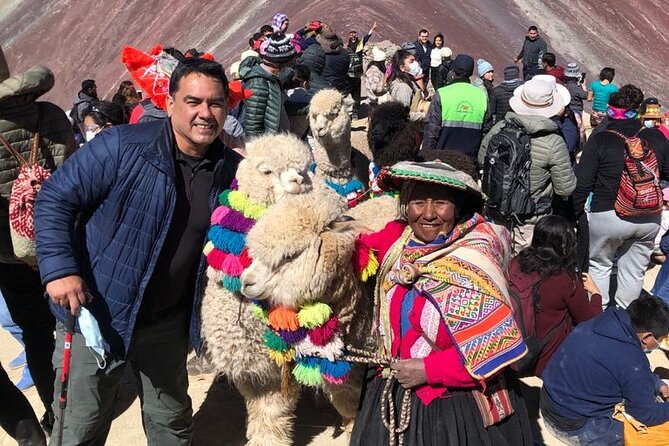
603,363
120,230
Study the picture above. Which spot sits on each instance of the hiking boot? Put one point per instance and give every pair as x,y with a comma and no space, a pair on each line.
197,366
28,433
19,361
26,381
47,422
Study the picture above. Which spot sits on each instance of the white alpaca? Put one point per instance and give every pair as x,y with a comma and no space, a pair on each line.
338,162
308,259
274,167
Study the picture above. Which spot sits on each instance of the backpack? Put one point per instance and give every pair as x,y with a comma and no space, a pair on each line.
74,113
22,200
639,193
354,64
506,175
524,304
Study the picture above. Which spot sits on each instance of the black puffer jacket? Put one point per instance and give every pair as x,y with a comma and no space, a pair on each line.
263,109
336,70
314,58
503,92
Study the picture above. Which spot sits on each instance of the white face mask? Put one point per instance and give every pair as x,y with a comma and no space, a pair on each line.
648,124
90,135
415,69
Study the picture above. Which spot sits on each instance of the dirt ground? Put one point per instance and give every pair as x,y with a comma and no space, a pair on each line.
220,413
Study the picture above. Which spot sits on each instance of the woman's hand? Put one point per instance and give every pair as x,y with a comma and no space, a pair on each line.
589,284
410,372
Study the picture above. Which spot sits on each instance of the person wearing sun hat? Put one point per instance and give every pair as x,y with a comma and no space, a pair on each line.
651,115
265,111
551,173
428,260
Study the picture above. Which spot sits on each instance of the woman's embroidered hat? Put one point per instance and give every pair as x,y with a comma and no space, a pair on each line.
391,178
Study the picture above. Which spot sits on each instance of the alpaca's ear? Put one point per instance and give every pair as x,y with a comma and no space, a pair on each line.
348,105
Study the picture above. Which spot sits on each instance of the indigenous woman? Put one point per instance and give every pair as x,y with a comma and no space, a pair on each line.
445,327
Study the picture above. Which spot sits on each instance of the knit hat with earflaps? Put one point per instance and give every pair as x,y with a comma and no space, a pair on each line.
278,21
278,49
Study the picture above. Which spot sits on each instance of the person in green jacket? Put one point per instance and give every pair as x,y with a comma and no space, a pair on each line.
21,116
265,111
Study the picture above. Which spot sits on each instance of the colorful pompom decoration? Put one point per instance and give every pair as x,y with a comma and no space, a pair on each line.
311,336
226,247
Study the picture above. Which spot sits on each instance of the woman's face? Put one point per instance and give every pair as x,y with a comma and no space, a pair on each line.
407,62
438,42
431,211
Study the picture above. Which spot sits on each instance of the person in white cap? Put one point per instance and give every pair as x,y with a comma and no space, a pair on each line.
375,78
533,105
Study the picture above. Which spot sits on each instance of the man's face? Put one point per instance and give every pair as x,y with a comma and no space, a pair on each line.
197,111
353,37
284,26
532,34
423,37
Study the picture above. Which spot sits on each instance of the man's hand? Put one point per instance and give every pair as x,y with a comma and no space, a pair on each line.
68,292
410,372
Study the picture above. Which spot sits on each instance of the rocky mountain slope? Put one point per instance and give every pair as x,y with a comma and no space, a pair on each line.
83,38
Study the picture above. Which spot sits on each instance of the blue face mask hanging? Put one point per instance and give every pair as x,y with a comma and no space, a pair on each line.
91,332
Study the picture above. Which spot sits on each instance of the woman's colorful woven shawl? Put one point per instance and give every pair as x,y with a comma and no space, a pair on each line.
461,275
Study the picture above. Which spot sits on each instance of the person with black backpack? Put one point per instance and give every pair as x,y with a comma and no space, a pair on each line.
621,166
355,48
547,294
525,161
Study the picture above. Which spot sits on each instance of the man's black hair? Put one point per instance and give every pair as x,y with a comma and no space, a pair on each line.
607,73
88,85
266,29
253,39
532,28
423,31
205,67
549,59
649,314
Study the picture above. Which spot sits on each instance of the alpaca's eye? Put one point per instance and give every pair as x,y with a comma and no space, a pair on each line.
265,170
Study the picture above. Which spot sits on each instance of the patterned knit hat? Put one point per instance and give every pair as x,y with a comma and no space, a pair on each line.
278,49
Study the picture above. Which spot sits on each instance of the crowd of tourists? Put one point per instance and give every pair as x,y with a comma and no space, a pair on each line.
530,211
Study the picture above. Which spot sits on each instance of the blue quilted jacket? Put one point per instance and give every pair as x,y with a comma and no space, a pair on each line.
104,216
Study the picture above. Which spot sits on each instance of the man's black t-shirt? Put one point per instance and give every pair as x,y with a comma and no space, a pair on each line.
170,290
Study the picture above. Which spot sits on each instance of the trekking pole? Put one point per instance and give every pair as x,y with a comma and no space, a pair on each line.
65,374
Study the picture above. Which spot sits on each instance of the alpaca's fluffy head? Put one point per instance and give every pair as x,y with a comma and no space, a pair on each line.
329,115
301,250
275,166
